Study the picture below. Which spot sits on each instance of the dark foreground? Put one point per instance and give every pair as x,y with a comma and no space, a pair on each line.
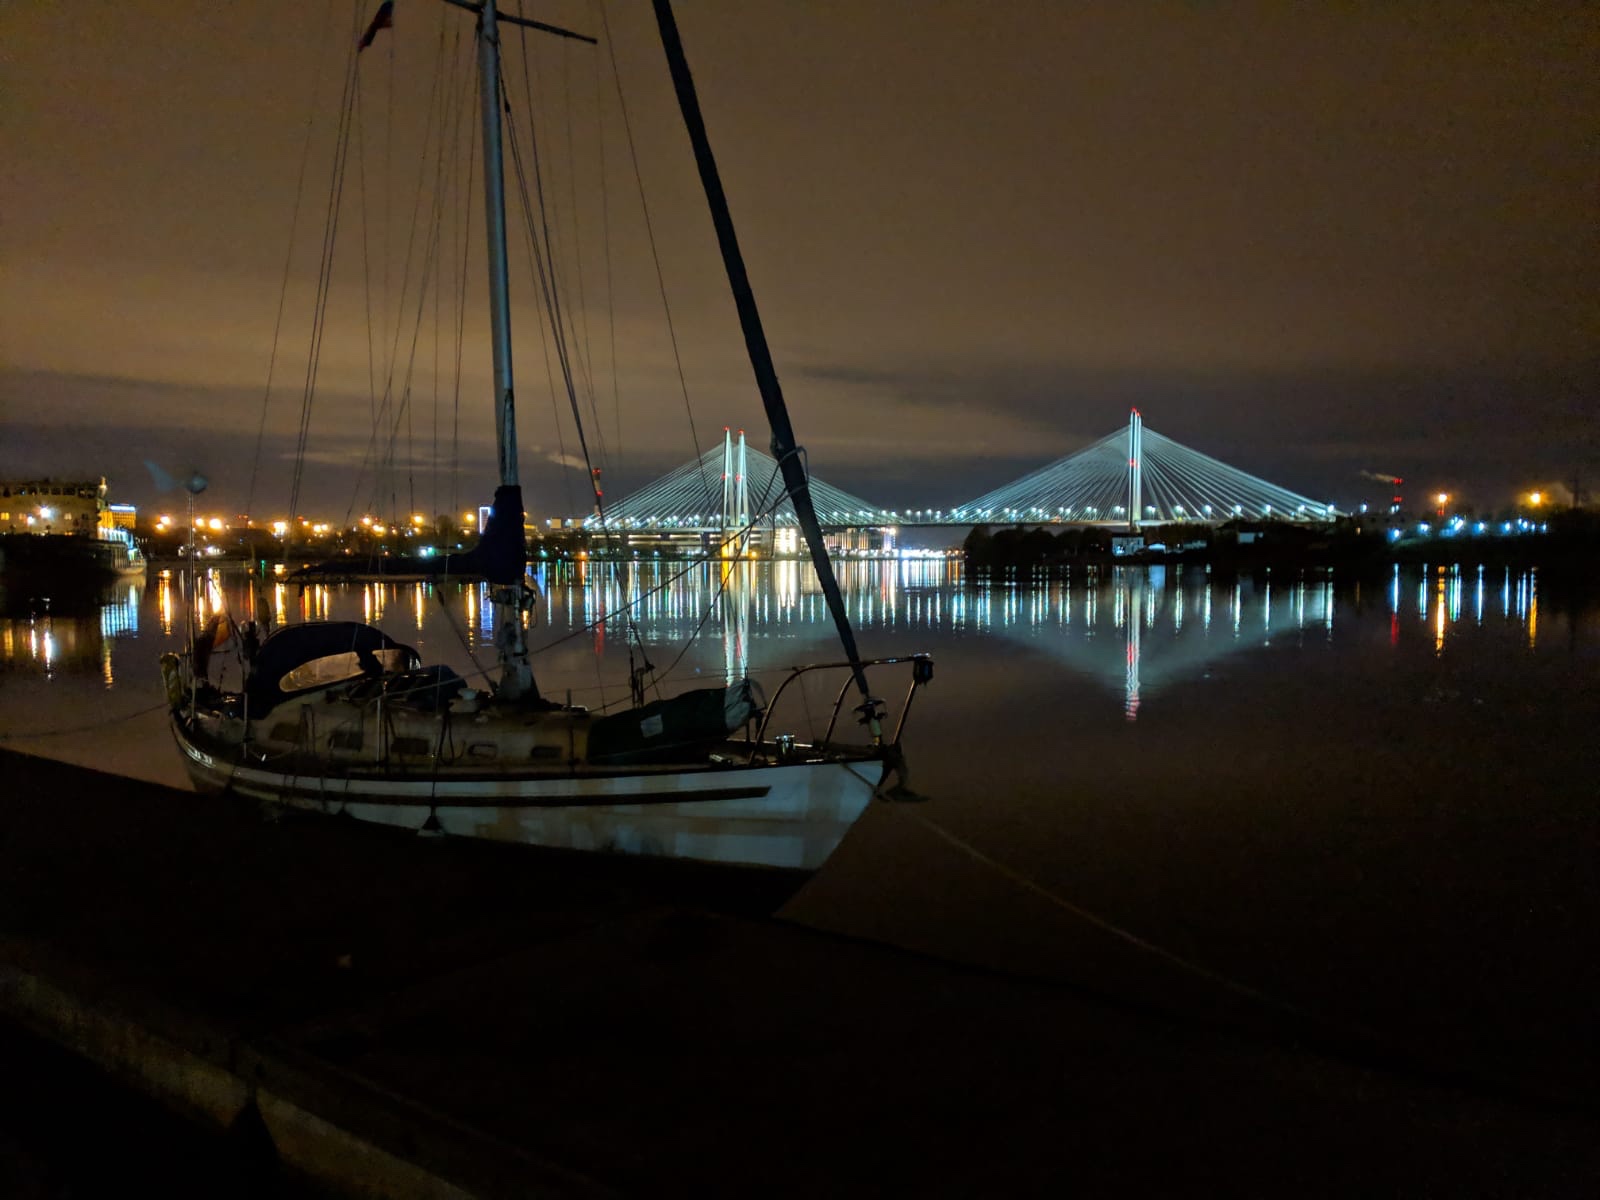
402,1016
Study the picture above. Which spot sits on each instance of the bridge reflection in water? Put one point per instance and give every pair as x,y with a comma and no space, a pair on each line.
1132,629
1129,629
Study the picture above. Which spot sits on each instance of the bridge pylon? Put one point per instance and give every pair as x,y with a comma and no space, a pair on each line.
735,496
1135,470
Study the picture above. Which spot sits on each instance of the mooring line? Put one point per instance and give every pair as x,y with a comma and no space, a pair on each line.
1133,939
49,733
1391,1054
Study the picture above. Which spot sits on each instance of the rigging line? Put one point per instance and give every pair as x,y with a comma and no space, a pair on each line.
691,565
449,203
1105,926
553,303
436,109
548,340
13,736
585,342
650,234
460,630
384,471
427,279
324,266
546,285
439,94
580,357
1350,1036
560,323
288,261
449,128
438,302
463,205
551,333
605,245
324,278
763,510
388,192
375,410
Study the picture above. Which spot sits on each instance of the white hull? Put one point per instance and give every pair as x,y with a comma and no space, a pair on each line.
780,815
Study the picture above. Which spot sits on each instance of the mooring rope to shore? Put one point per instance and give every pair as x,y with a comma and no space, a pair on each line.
10,736
1337,1032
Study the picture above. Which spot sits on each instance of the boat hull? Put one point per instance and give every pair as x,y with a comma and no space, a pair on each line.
788,815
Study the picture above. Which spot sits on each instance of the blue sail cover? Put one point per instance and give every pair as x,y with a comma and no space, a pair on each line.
501,555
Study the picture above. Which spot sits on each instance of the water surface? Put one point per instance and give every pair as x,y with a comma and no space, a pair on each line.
1375,799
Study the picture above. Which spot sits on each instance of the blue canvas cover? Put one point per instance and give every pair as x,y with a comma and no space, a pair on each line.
296,645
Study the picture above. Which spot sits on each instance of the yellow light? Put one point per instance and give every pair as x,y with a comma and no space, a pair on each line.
216,524
417,519
1537,498
1443,497
280,527
379,529
468,518
366,520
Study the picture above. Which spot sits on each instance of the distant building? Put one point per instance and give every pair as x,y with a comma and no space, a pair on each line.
54,506
1124,545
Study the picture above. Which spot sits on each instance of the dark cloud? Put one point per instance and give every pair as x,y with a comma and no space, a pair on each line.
1308,242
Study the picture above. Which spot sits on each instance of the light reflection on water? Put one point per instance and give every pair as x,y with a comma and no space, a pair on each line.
1134,629
1128,644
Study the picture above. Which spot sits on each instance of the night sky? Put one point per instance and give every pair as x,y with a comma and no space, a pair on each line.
1310,241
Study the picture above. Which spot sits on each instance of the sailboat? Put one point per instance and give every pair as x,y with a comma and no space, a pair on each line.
339,717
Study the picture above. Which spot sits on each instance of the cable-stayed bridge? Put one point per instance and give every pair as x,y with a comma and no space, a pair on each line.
734,490
1131,478
1138,477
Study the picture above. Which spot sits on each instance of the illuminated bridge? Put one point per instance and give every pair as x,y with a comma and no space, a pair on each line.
1137,477
1132,477
731,490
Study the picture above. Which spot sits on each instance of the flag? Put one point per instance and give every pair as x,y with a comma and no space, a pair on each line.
383,20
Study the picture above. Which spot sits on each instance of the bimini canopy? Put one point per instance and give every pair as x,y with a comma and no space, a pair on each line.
302,658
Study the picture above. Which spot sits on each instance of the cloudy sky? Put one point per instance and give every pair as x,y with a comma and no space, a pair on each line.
1308,240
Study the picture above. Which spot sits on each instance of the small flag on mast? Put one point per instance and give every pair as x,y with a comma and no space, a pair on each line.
383,20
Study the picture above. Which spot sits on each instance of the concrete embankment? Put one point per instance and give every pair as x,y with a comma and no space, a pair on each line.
398,1016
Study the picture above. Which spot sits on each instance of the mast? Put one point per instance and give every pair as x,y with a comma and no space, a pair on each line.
494,203
783,441
516,676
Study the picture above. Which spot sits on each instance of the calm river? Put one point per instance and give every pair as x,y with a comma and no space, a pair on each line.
1375,800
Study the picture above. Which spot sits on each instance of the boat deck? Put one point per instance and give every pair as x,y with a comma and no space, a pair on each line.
416,1015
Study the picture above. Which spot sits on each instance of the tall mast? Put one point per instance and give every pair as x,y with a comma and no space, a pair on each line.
494,203
784,448
516,676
